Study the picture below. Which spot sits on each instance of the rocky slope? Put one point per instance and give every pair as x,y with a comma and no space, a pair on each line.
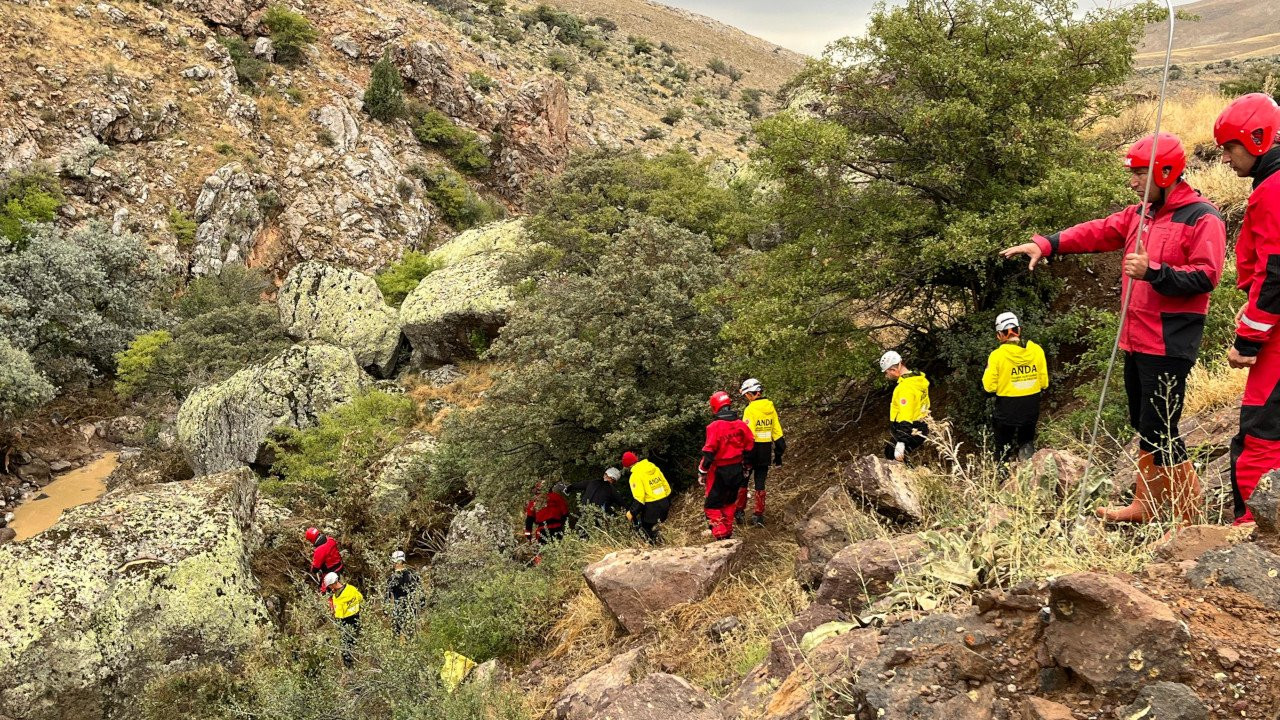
138,107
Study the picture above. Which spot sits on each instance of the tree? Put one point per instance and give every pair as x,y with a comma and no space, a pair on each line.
291,33
400,279
594,365
26,198
22,387
72,299
384,98
946,133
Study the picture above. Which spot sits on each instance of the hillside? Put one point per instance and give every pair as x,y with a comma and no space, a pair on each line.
1226,29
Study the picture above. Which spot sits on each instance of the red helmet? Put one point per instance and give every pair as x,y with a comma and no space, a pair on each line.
1171,159
1251,120
629,458
312,534
719,399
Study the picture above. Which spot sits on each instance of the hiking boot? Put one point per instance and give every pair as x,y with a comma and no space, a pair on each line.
757,520
737,517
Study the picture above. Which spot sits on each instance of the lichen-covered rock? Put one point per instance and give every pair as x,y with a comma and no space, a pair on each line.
396,472
139,583
228,216
224,425
341,307
464,301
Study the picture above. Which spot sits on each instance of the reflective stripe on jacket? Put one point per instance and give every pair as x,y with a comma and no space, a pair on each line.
763,420
1258,257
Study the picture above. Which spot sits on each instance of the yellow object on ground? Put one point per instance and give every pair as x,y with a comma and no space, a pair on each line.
455,669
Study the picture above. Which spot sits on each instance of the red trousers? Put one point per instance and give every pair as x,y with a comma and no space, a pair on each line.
721,521
1255,450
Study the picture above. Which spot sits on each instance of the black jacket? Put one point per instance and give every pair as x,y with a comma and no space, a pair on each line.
599,492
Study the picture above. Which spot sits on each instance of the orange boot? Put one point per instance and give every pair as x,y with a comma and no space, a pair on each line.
1184,487
1151,491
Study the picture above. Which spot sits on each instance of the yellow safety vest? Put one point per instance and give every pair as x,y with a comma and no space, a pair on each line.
910,399
346,603
1016,371
763,420
647,482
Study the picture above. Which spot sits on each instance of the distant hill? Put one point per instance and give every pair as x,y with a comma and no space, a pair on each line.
1226,29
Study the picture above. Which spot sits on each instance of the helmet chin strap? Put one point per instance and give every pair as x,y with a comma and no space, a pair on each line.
1082,500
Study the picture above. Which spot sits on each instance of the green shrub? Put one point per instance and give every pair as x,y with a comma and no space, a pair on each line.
559,61
251,72
459,204
604,23
136,365
593,84
571,29
751,102
653,133
22,387
640,45
291,33
463,147
399,279
1260,77
674,114
384,98
681,72
720,67
27,197
183,229
481,82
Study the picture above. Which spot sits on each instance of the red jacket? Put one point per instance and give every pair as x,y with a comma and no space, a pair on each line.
727,439
1186,241
326,557
1258,257
551,516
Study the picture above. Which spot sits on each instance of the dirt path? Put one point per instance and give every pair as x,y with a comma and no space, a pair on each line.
74,488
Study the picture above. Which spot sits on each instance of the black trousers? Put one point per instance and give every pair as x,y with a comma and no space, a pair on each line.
759,458
1156,387
648,515
1010,438
349,630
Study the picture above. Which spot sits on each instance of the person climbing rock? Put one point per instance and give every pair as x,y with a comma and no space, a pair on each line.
325,557
650,496
721,470
545,515
404,594
344,600
1247,133
602,492
766,430
1166,288
907,409
1017,373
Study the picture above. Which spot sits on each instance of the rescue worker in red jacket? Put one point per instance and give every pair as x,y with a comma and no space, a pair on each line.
1246,132
721,469
326,557
545,515
1169,280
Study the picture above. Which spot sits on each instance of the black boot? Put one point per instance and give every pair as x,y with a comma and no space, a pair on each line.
757,520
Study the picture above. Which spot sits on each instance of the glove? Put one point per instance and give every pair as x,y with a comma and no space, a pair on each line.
702,477
899,451
629,518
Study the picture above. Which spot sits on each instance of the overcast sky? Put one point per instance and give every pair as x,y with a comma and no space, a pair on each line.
802,25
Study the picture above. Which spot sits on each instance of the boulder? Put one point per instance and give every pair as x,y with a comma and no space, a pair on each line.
1264,503
1166,701
1052,472
535,134
264,48
442,376
1113,636
228,216
464,303
824,530
864,570
475,536
784,643
638,585
584,698
224,425
341,307
438,75
123,429
37,472
397,472
1192,541
660,697
1244,567
1034,708
885,485
140,583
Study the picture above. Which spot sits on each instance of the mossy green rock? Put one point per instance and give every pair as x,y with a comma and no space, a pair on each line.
467,299
341,307
143,581
224,425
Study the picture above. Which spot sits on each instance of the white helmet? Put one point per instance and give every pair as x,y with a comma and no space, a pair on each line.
329,581
613,473
1007,321
751,385
889,359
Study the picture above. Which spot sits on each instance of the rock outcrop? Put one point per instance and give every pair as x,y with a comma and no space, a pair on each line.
585,698
864,570
660,697
223,426
464,303
341,307
140,583
824,531
228,215
638,585
884,485
535,134
396,472
1244,567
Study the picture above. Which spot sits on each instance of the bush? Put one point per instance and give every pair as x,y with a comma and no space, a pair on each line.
640,45
1260,77
463,147
22,387
572,31
291,33
481,82
595,363
461,206
652,133
720,67
681,72
384,98
604,23
222,325
751,102
73,299
183,229
399,279
559,61
674,114
251,72
593,84
27,197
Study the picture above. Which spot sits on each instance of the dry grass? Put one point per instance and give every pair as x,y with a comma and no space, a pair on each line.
1214,386
1222,186
1190,117
463,394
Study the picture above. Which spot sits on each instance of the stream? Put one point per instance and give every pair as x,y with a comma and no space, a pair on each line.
77,487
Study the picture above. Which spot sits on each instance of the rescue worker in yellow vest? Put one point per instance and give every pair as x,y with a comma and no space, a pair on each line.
344,600
650,496
908,408
1016,374
762,418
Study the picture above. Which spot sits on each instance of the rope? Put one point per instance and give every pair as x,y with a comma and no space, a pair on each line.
1128,281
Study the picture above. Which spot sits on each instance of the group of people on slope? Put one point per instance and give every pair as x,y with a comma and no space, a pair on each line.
1165,298
403,592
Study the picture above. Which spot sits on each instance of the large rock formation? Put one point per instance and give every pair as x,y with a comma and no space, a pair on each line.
864,570
885,485
824,531
139,583
637,585
585,697
466,301
224,425
535,134
396,473
341,307
228,215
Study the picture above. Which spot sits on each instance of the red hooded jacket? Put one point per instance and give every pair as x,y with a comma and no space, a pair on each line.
550,516
327,557
727,439
1186,241
1258,258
